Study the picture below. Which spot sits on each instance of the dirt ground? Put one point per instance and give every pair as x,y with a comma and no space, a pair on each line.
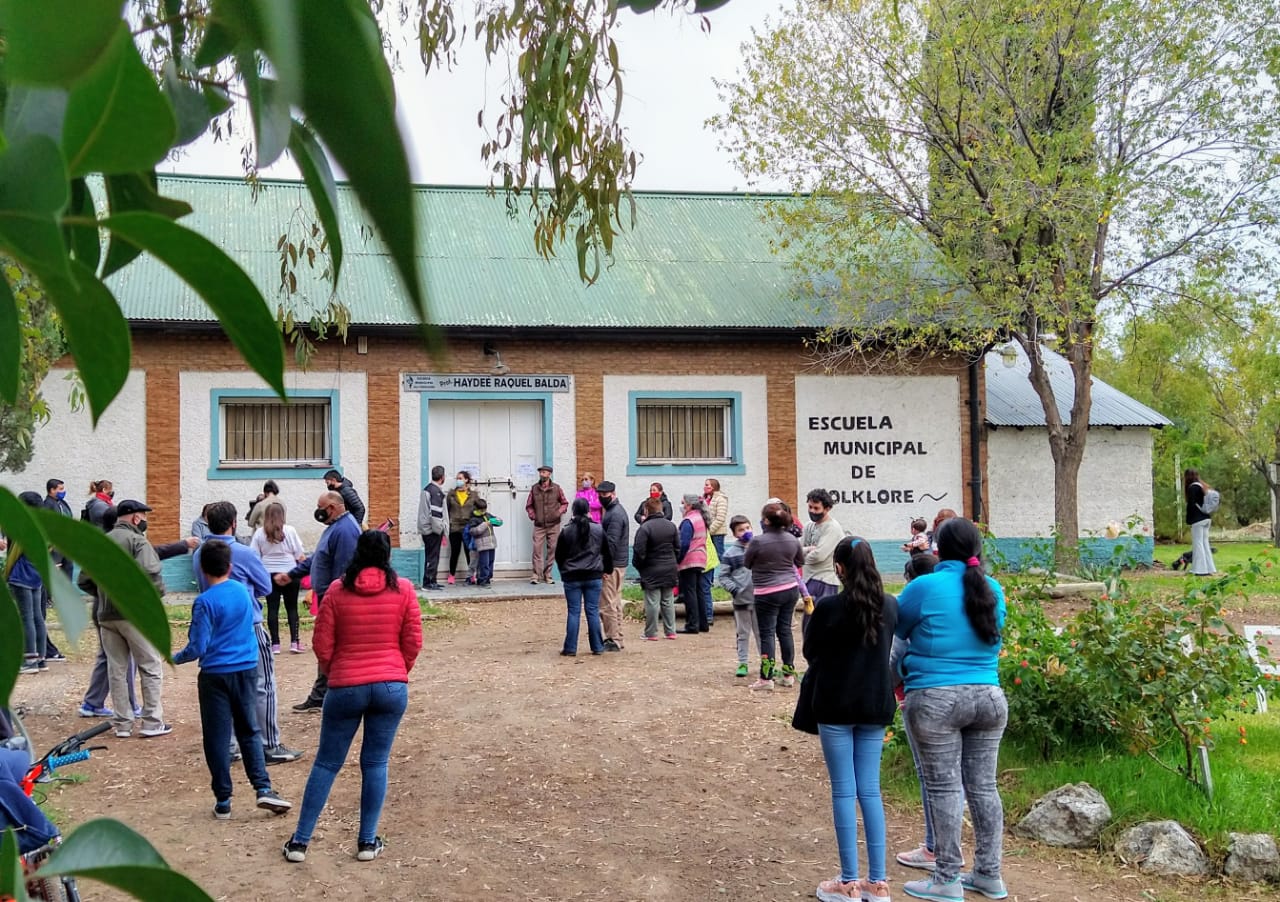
652,774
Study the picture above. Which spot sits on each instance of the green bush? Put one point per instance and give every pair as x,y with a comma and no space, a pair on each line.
1135,673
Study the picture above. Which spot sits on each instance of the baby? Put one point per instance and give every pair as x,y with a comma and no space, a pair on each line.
919,542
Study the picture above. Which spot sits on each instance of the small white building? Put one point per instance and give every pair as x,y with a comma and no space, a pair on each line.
1115,477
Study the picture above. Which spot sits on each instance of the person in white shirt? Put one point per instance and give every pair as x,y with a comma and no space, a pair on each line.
278,545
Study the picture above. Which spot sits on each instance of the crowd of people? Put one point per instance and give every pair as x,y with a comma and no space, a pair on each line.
935,647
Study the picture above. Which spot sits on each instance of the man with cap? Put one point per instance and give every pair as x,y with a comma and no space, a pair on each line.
617,532
55,499
545,507
120,638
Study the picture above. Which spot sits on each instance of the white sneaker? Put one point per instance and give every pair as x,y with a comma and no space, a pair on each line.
761,686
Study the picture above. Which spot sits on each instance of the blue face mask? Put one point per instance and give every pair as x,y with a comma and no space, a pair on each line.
60,495
745,537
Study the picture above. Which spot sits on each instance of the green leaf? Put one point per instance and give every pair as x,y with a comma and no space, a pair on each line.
348,103
96,332
73,613
130,192
12,883
85,240
272,26
116,574
219,280
10,343
218,44
33,191
54,41
270,114
117,119
34,111
110,852
12,643
23,532
190,108
313,163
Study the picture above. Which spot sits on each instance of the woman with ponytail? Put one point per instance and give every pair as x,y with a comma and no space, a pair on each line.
847,646
955,709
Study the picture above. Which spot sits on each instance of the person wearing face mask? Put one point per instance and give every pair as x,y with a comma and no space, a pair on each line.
55,499
820,537
336,482
589,491
101,499
736,578
655,492
655,554
546,506
717,503
120,638
331,558
617,532
460,503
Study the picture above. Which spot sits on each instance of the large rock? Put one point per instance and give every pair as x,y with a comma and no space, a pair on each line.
1071,816
1163,848
1252,856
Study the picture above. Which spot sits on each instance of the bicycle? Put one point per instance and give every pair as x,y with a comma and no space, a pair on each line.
69,751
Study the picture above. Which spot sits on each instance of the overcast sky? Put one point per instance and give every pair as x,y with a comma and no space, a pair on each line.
669,64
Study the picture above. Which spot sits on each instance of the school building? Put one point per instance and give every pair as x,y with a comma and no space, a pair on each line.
689,358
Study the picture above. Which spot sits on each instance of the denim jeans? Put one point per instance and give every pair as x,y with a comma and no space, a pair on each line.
227,706
852,753
708,579
33,628
484,566
774,613
957,730
929,842
380,706
581,594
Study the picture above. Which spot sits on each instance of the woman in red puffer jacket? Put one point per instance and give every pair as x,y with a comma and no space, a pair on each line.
368,634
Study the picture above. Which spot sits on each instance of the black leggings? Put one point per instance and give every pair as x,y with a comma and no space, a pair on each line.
455,546
774,611
290,595
695,615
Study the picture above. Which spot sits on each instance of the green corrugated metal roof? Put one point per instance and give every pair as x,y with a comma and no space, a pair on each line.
693,261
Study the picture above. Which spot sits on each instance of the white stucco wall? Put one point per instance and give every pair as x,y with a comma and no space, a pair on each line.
747,491
888,448
298,494
68,447
414,472
1115,480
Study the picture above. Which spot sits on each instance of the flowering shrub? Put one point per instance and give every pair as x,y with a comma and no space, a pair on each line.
1143,674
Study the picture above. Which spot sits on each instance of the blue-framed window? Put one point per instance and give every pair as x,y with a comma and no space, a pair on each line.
256,435
690,432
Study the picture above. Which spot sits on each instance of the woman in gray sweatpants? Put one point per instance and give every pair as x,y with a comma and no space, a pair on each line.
955,710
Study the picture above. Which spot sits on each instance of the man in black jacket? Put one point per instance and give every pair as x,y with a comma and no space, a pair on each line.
55,499
432,526
617,532
350,497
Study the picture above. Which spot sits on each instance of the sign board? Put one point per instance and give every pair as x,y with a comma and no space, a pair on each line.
486,382
886,447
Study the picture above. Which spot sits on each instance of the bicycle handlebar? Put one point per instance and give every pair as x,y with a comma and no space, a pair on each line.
74,743
59,760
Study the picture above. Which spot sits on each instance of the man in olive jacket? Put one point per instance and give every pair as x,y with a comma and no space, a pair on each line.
545,507
120,638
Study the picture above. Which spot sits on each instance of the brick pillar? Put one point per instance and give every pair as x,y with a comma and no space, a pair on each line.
589,426
164,455
780,389
383,499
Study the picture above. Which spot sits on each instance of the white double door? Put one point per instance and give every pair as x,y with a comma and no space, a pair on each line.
498,443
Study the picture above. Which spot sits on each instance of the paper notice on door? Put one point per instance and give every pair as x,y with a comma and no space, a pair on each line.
473,469
526,471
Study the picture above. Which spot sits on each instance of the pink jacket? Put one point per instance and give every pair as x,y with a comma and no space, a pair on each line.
370,635
594,507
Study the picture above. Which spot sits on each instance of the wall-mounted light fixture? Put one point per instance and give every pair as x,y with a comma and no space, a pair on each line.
362,344
499,368
1009,355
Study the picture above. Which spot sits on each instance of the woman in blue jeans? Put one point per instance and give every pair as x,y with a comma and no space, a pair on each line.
582,554
368,635
955,710
847,646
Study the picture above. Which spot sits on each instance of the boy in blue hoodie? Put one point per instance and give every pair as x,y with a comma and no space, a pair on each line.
223,640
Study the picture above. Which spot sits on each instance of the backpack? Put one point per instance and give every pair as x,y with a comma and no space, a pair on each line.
1212,499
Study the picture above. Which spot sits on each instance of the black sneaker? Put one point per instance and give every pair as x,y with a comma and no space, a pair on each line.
295,852
610,645
56,658
269,801
281,755
309,705
368,851
222,810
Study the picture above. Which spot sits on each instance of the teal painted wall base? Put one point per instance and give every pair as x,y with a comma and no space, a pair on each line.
1004,553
